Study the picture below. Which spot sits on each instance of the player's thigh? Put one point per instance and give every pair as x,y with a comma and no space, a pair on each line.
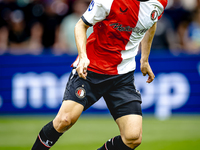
68,114
130,126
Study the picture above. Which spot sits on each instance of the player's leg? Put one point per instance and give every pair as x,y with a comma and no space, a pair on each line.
129,120
76,99
124,103
130,127
68,114
131,134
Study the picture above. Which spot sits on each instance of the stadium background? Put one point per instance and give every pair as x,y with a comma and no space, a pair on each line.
35,59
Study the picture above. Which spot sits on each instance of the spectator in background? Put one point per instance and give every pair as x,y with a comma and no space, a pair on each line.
165,37
174,26
3,39
12,16
32,24
66,42
190,34
35,41
18,35
3,31
22,38
33,16
53,15
176,12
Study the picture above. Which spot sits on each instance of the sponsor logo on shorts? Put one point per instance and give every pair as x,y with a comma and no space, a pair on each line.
80,92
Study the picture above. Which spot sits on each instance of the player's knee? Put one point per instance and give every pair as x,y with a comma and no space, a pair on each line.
133,139
138,141
63,122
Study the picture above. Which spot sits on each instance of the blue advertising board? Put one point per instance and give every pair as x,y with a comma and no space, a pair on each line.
35,84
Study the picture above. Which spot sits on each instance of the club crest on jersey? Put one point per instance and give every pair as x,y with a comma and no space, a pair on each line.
154,15
80,92
91,6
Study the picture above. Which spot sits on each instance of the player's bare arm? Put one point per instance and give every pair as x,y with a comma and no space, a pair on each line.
145,51
81,38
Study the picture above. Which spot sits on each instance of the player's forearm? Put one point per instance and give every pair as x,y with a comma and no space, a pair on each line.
81,38
146,43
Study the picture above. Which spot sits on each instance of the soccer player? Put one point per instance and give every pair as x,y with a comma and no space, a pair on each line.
105,67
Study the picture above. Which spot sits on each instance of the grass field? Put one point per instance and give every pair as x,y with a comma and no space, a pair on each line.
89,133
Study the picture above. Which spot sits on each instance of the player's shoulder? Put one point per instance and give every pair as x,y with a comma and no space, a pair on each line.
163,2
102,2
105,4
160,4
156,5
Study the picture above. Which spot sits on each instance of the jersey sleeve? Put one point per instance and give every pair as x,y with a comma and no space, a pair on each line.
97,11
164,4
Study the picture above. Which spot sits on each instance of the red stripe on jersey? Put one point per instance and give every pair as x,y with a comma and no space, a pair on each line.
164,3
111,36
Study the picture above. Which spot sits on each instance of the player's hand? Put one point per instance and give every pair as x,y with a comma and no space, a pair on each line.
146,69
82,67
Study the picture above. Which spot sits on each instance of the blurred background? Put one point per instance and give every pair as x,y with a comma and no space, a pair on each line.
37,47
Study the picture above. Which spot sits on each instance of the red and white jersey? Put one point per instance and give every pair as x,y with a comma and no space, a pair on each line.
119,26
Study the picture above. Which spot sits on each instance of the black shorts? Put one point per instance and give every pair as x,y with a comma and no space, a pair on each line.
118,92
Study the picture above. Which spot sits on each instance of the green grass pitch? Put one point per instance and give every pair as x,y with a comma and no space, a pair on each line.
90,132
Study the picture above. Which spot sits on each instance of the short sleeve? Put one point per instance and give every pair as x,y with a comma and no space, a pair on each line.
164,4
159,17
97,11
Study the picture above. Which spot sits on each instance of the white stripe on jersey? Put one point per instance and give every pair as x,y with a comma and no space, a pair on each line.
144,22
